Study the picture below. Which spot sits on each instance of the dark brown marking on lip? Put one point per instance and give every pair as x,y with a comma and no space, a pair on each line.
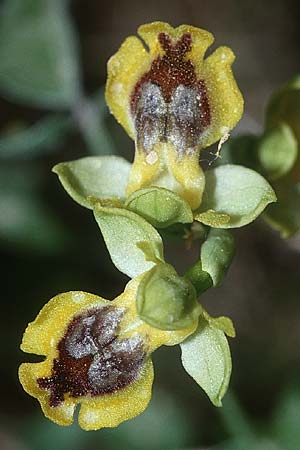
171,69
155,94
91,360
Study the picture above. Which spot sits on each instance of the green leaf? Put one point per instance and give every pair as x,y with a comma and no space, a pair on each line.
38,53
94,176
42,137
277,151
284,215
26,221
287,418
217,253
145,432
212,218
38,434
122,231
159,206
237,192
90,115
206,358
167,301
284,106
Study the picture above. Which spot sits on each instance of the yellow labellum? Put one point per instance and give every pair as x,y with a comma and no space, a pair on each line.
97,354
172,102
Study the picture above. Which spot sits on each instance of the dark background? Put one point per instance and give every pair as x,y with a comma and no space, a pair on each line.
49,244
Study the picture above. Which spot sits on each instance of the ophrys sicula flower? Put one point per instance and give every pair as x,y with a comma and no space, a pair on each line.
172,102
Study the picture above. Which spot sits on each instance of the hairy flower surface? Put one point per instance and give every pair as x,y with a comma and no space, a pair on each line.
97,354
172,102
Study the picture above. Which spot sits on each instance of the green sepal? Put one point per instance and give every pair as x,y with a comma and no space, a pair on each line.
277,151
206,358
100,177
122,232
159,206
217,253
284,106
167,301
238,192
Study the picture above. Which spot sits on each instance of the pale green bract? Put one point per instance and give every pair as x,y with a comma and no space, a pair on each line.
94,176
238,192
122,231
206,358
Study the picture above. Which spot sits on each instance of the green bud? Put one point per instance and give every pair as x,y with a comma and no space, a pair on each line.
277,151
217,253
284,215
284,106
200,279
167,301
215,258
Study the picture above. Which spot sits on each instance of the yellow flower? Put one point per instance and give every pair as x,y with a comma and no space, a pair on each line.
172,102
97,354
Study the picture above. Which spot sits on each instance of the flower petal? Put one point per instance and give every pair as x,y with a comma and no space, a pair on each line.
225,98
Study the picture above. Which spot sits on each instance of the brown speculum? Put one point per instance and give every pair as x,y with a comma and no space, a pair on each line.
91,359
168,103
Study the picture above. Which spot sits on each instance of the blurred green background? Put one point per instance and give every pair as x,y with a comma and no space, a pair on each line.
53,56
